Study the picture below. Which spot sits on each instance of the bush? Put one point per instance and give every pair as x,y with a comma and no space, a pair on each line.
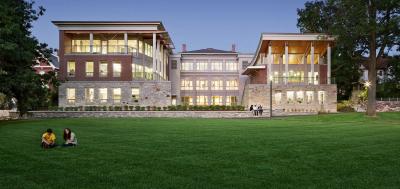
126,107
137,108
130,108
118,108
172,108
110,108
142,108
158,108
104,108
345,106
60,108
165,108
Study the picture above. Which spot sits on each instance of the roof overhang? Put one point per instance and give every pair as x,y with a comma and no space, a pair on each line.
251,69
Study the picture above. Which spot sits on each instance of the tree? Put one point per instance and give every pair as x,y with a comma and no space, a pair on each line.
18,52
365,28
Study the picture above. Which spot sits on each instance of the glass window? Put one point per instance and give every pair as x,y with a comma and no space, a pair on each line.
231,85
231,66
216,66
96,48
310,97
103,96
202,100
300,96
103,69
187,66
290,96
321,97
135,94
202,66
174,64
278,97
89,95
217,85
116,46
71,95
201,85
81,45
231,100
140,46
132,46
89,69
71,68
117,95
116,69
296,76
216,100
137,71
187,100
186,85
148,73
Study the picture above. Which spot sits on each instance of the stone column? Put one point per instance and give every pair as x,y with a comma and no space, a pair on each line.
154,56
328,55
312,63
158,59
91,42
286,62
126,42
270,63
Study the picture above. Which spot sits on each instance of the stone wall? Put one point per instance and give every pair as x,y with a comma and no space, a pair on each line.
388,106
152,93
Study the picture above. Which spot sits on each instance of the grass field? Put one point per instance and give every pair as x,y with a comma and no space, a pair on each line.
325,151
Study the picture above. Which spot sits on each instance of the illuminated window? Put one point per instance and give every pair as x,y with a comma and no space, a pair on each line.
231,100
187,100
231,85
290,96
81,45
278,97
89,95
202,66
137,71
321,97
116,69
71,68
89,69
187,66
217,85
216,66
135,94
71,95
186,85
216,100
116,46
103,69
309,96
96,48
140,46
311,79
300,96
231,66
132,46
201,85
116,95
103,96
202,100
148,73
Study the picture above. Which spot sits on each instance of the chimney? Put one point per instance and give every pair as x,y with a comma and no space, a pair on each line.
184,47
233,48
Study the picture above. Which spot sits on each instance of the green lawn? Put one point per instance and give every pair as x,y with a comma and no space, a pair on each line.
325,151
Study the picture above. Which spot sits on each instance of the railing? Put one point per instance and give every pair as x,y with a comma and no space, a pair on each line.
391,99
142,75
98,49
297,81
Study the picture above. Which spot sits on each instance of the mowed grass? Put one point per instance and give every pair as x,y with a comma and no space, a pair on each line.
325,151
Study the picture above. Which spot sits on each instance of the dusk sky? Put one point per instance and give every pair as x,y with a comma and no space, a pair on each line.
198,23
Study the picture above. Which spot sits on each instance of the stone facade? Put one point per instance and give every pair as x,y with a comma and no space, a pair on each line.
152,93
260,94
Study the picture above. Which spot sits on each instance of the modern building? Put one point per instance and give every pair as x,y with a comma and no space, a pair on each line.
292,72
207,76
114,63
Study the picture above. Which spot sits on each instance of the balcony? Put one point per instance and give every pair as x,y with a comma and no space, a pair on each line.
296,81
99,49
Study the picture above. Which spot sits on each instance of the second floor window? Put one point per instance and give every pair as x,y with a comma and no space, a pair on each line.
103,69
216,66
231,85
186,85
201,66
231,66
187,66
89,69
80,45
201,85
217,85
71,68
116,69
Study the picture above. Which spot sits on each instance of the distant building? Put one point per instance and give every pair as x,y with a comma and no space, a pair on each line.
44,65
382,70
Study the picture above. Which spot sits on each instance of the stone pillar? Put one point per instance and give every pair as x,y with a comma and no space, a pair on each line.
91,42
312,63
328,55
270,63
126,42
286,63
158,59
154,56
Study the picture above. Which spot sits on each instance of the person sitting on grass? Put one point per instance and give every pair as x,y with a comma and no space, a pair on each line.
69,138
48,139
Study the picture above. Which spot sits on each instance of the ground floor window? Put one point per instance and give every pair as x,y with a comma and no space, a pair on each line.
290,96
187,100
71,95
310,97
278,97
103,95
135,94
202,100
300,96
116,95
231,85
321,97
216,100
231,100
89,95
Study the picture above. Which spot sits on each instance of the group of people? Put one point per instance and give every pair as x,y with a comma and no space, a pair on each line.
49,139
256,110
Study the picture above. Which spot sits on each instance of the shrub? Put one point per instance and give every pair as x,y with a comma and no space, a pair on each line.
60,108
104,108
130,108
345,106
126,107
165,108
158,108
137,108
172,108
118,108
142,108
148,108
110,108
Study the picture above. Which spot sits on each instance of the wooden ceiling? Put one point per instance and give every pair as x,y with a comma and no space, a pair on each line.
295,47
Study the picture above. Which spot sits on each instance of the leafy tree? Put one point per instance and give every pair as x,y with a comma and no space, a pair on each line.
368,28
18,52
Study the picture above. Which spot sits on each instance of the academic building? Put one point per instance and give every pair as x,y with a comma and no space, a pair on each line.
132,63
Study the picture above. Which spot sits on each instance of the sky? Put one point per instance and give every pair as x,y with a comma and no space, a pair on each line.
196,23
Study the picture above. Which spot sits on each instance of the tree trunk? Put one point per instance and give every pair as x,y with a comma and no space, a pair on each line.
371,104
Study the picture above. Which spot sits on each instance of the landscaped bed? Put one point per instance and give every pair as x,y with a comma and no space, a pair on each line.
322,151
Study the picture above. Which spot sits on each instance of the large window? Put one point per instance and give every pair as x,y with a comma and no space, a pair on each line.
216,100
202,100
89,95
278,97
296,76
132,46
217,85
116,46
310,97
290,96
135,94
81,45
116,69
187,100
71,68
216,66
71,95
231,85
300,96
231,100
187,66
186,85
103,69
103,96
201,85
202,66
89,69
321,97
148,49
137,71
116,95
231,66
148,73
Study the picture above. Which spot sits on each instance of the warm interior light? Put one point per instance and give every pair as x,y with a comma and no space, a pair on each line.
367,84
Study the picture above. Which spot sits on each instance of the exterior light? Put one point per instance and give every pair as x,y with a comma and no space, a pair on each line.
367,84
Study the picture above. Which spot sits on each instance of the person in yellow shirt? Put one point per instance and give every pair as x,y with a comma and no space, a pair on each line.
48,139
